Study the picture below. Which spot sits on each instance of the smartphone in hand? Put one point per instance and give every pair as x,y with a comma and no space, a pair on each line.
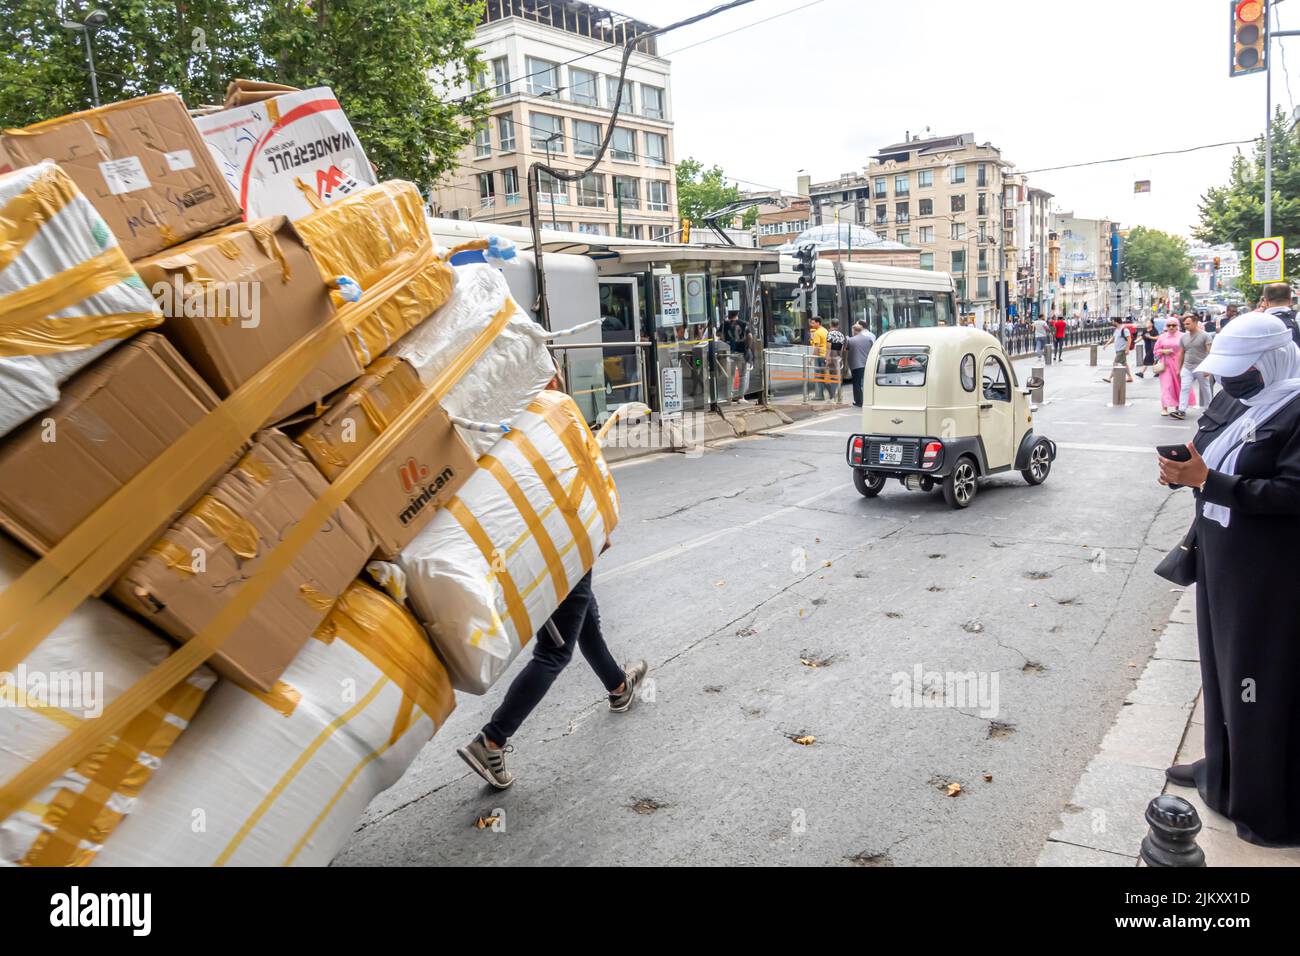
1174,453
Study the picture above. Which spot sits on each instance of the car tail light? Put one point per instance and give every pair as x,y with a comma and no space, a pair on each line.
931,454
856,453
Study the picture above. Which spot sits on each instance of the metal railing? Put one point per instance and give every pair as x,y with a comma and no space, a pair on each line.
1021,340
796,371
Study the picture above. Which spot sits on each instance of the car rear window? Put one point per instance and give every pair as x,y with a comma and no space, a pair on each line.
902,367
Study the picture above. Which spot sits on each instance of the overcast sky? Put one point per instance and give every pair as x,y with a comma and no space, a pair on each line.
1048,82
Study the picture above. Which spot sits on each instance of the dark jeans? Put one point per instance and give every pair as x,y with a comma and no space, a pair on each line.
1060,347
578,622
858,375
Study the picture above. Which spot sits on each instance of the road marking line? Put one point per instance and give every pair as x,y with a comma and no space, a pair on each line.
679,549
825,434
1128,449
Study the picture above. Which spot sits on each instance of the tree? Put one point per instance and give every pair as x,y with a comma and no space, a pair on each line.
701,191
378,59
1234,213
1158,259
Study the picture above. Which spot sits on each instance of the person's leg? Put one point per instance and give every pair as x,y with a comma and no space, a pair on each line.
1185,385
859,374
591,641
1205,389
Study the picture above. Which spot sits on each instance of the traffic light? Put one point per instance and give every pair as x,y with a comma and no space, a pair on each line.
686,232
807,257
1249,37
1216,263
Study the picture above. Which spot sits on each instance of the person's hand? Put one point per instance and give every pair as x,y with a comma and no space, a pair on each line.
1188,473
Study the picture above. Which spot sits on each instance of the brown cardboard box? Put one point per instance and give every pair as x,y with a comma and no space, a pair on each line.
112,420
420,475
237,298
142,163
202,561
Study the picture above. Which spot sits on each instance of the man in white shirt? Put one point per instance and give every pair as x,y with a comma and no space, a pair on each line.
1277,301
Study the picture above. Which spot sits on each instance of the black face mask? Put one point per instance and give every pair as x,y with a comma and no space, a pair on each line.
1245,385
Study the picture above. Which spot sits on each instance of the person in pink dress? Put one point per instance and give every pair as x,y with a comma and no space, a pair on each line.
1169,350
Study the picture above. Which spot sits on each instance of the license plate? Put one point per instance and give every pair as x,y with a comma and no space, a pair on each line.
891,454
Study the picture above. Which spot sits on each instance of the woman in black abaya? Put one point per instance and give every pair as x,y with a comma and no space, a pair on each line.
1245,468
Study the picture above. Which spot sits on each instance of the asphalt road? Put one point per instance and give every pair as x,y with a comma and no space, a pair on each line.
734,571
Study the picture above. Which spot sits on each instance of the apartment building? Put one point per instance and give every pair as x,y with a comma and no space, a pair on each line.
1031,292
553,80
1083,282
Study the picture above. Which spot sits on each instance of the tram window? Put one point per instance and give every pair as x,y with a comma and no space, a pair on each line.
926,314
943,308
827,306
905,308
886,299
787,324
858,309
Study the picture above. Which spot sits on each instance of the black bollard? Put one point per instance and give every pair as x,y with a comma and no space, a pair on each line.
1171,840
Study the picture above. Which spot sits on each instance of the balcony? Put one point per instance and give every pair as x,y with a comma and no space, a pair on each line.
513,199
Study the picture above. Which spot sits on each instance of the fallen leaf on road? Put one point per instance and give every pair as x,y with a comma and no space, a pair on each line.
988,778
484,822
718,584
807,740
953,789
1031,604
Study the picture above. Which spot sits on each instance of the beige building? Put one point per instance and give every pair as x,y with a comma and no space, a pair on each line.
946,195
553,79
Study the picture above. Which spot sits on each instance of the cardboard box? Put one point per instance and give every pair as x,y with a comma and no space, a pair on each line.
421,474
239,297
112,420
141,162
264,148
202,561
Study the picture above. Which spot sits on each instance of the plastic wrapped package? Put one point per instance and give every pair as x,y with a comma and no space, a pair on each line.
67,291
281,778
513,369
91,658
490,568
358,237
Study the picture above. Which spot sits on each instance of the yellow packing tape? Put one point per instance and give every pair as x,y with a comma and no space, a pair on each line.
535,527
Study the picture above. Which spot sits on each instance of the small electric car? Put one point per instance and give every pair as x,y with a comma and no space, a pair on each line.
942,407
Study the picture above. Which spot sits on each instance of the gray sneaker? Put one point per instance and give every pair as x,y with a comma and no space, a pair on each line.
487,763
633,675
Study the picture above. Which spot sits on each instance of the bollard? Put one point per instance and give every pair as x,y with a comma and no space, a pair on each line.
1036,381
1092,354
1119,386
1171,840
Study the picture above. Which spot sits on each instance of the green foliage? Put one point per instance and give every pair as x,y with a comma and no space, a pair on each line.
377,57
1234,213
701,191
1159,259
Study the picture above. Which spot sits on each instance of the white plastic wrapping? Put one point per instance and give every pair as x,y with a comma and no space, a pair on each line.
89,660
69,234
282,778
486,573
512,371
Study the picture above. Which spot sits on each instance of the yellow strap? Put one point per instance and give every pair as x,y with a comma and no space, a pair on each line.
31,779
24,214
564,425
514,603
235,531
535,527
567,507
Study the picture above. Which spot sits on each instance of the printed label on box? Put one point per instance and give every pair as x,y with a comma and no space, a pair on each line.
125,175
179,159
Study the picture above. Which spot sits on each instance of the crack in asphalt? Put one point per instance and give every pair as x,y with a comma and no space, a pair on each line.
808,470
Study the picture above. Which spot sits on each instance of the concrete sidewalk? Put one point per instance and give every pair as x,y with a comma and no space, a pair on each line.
1160,724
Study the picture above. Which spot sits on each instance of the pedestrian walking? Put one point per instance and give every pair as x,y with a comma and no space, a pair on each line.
817,336
1059,327
1245,472
1042,335
1120,343
1147,352
836,342
1277,302
859,349
1169,365
1196,344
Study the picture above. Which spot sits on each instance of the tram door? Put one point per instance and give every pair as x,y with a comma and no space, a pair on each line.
735,295
620,323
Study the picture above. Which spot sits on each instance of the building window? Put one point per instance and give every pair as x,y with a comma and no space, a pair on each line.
662,233
925,207
927,261
882,214
543,127
624,144
593,228
984,260
486,190
982,205
902,185
652,102
904,236
582,87
551,190
543,76
586,138
501,76
958,203
982,175
510,183
926,235
656,149
630,231
982,288
925,179
902,212
506,132
627,191
611,94
958,233
958,261
591,191
957,175
482,143
656,192
881,187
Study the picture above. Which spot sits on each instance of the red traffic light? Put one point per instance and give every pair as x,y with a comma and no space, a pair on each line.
1249,36
1248,11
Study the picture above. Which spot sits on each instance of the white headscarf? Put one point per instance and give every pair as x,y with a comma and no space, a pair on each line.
1280,368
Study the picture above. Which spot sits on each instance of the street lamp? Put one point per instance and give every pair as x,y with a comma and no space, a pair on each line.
94,20
549,140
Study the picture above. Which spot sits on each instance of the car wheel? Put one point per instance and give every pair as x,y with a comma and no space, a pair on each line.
1040,464
868,483
961,486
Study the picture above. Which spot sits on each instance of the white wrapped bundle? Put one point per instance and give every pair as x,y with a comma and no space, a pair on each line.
512,371
67,292
493,565
89,660
281,778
